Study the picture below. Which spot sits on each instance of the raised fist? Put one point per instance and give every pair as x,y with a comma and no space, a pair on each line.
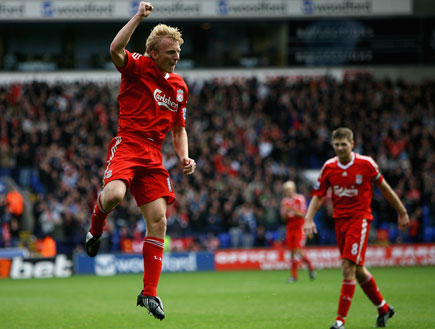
144,9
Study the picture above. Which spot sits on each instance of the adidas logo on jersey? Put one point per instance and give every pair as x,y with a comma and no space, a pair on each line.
344,174
136,56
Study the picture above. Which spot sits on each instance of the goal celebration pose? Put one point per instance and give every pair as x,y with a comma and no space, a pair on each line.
350,176
152,101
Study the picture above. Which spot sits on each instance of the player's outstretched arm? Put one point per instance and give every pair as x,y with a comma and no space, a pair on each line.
179,138
117,47
310,227
394,200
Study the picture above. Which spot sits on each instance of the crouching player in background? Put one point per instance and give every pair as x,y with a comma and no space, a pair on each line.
351,177
293,208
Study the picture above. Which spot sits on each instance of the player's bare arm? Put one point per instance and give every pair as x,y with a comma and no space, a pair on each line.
117,47
179,138
310,227
393,199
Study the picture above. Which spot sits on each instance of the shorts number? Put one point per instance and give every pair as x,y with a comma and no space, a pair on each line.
354,250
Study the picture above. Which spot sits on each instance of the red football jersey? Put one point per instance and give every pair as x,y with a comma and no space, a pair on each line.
149,103
297,202
351,185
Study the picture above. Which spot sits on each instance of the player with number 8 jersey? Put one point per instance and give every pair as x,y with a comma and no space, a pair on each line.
351,186
351,176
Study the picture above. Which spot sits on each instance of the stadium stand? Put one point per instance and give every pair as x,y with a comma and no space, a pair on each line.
247,136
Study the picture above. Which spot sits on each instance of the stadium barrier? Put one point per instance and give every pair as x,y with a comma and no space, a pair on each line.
26,268
112,264
13,252
323,257
221,260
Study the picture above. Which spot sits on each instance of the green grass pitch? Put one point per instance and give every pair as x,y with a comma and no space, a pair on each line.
251,299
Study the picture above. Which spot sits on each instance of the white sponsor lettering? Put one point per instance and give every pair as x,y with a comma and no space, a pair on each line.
180,264
246,256
132,265
61,267
105,265
344,191
163,100
110,265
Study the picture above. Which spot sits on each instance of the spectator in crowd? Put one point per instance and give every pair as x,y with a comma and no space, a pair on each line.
46,246
66,125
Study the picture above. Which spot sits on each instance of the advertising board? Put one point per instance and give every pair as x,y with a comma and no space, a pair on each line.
26,268
323,257
112,264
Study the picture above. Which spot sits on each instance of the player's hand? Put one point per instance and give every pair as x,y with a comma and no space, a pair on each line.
189,166
144,9
403,222
310,228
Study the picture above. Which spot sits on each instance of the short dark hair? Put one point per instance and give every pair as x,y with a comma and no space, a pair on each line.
342,132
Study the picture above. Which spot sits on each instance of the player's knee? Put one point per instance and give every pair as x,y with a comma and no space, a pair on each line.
158,219
157,224
112,197
348,269
362,274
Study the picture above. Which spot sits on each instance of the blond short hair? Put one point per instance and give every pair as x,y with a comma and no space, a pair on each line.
341,133
158,33
289,185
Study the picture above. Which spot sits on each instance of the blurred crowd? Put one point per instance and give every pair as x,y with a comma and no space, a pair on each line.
247,137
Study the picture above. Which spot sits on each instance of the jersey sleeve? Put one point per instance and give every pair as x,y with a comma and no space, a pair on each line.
373,171
133,66
321,185
301,205
182,95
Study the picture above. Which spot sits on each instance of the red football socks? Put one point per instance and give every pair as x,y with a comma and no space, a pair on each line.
152,252
307,261
98,218
294,269
371,289
347,291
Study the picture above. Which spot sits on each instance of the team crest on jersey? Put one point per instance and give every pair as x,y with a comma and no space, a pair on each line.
358,179
180,95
